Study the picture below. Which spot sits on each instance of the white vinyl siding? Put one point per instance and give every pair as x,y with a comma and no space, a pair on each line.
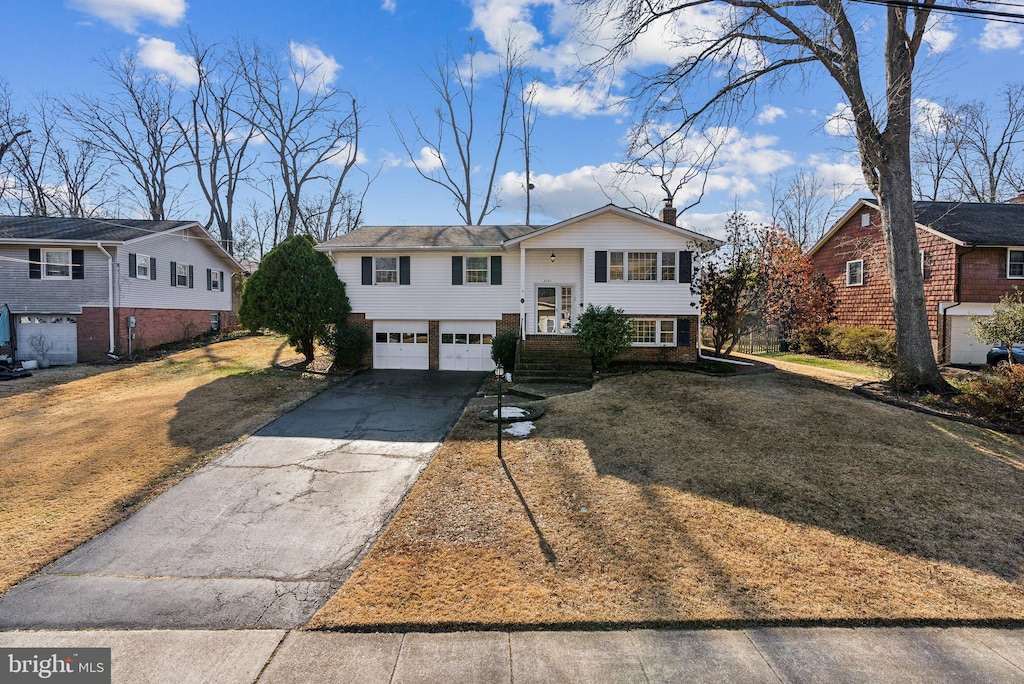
51,295
158,293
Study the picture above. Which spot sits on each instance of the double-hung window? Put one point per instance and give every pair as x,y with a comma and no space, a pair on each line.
668,266
142,266
1015,263
385,270
653,332
855,272
57,264
181,275
215,280
616,269
476,270
642,266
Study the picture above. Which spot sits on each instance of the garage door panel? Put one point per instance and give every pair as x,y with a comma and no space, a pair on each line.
466,345
59,334
401,345
963,347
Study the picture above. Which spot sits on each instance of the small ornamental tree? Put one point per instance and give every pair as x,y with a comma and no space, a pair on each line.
602,334
793,296
728,286
295,292
1006,324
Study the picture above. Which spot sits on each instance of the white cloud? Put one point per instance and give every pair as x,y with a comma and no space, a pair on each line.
127,14
428,160
840,122
576,102
163,56
939,35
928,115
1001,37
770,114
388,6
320,69
845,176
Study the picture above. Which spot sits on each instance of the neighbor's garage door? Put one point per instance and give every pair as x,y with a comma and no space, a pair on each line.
400,344
57,336
963,348
466,345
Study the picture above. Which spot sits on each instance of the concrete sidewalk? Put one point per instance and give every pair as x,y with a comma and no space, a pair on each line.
787,654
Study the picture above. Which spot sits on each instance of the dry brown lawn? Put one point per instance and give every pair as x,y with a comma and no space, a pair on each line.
81,447
679,498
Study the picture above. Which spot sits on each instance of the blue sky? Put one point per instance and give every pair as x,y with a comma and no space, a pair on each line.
381,48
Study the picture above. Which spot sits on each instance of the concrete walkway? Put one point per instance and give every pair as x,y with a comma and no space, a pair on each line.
263,535
920,654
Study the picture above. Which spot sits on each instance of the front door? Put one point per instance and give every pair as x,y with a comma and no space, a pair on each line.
554,309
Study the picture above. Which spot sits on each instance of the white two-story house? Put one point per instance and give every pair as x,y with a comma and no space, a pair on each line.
433,297
82,288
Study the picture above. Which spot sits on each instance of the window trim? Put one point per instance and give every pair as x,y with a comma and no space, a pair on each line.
848,282
466,269
45,262
661,326
377,271
178,266
215,280
1008,253
142,259
659,263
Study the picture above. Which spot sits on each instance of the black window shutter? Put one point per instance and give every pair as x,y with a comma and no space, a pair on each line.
600,267
682,332
221,281
403,271
78,264
152,268
456,270
132,272
209,279
496,269
367,270
191,272
686,267
35,267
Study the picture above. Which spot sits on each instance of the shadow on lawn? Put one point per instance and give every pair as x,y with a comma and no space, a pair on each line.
795,448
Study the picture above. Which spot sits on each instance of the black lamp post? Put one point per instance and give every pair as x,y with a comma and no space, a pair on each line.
499,371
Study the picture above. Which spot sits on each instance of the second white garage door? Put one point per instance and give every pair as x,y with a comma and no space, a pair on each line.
401,344
466,345
963,347
55,336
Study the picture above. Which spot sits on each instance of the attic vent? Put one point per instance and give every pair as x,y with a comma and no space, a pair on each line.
865,220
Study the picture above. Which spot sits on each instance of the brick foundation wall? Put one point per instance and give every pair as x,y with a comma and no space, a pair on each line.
358,320
871,303
93,334
676,354
160,326
509,323
434,342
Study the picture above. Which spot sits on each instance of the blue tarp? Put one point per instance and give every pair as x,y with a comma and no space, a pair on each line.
5,326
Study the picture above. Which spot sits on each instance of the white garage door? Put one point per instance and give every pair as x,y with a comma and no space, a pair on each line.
964,349
466,345
400,344
54,335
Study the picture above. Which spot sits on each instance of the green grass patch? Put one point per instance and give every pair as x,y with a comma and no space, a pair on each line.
829,364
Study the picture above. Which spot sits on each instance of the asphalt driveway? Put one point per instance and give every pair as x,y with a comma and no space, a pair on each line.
262,536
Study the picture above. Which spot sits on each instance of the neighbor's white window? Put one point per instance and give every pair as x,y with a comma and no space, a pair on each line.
476,270
57,264
180,274
215,281
855,272
652,332
1015,263
385,270
142,266
615,270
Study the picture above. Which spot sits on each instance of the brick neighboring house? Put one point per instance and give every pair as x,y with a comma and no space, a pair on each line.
971,255
91,287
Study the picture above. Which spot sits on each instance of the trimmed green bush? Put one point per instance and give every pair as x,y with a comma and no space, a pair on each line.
858,342
348,345
503,350
602,334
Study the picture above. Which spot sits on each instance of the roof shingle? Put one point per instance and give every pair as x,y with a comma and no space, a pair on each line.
419,237
973,223
60,228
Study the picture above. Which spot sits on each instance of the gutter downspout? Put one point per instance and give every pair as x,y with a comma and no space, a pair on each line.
956,297
700,354
110,295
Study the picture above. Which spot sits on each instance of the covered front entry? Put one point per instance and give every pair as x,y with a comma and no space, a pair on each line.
554,309
401,344
52,336
466,345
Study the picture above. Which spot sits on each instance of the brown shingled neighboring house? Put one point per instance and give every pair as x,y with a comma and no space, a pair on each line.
971,255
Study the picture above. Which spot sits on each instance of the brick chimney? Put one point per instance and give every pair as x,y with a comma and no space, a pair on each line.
1019,199
668,212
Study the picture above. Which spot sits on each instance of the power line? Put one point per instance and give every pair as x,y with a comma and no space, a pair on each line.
970,12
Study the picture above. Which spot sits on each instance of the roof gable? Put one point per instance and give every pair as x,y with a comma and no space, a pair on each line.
628,215
383,238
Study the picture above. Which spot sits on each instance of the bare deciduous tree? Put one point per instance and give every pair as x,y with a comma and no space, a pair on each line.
29,162
757,44
935,145
451,153
134,127
803,206
528,119
311,126
989,148
12,124
83,175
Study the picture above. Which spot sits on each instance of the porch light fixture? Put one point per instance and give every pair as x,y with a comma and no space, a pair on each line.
552,257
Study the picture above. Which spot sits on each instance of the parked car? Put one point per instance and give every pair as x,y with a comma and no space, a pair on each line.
998,355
